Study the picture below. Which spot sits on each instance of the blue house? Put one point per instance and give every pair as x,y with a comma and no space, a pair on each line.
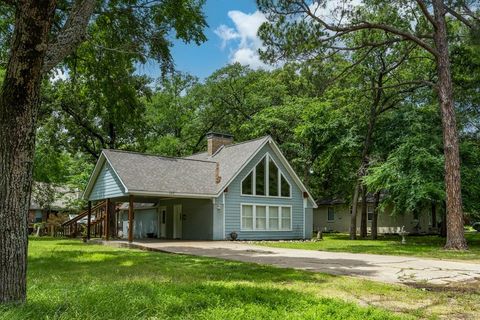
247,190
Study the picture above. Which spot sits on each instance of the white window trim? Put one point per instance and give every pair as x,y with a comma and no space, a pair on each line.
267,186
267,208
328,219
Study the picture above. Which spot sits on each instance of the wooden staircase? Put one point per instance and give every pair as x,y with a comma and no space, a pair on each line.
72,228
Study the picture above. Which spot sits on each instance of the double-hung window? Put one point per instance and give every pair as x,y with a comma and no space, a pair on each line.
273,218
331,214
247,217
266,217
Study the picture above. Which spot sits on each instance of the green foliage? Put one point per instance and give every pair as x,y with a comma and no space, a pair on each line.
169,114
470,156
233,95
2,76
331,129
412,174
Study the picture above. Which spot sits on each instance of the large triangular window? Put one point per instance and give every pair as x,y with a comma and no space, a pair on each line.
266,179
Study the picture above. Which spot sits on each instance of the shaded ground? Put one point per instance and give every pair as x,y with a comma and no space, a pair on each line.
71,280
391,269
419,246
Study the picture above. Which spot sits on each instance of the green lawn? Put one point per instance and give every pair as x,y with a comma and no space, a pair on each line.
421,246
71,280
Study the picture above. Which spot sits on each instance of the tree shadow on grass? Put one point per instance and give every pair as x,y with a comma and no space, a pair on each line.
111,263
95,282
202,299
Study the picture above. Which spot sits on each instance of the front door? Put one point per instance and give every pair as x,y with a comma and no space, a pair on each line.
177,221
162,219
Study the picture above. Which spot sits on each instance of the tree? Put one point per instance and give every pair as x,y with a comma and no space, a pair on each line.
421,23
44,34
411,174
231,97
170,114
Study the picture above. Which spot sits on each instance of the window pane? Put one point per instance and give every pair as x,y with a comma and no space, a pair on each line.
415,215
272,179
273,218
370,212
247,184
331,214
285,187
286,218
260,178
261,218
247,217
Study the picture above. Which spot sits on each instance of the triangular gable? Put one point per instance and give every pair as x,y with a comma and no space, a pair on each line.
283,160
104,182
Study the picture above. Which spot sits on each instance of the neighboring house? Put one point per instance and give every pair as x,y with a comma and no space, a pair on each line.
48,199
334,216
246,188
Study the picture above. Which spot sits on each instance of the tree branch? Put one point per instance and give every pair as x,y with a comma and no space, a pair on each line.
459,17
427,14
71,35
369,26
10,2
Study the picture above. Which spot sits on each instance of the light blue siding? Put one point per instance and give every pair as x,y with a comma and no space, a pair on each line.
308,222
234,199
218,213
197,215
107,185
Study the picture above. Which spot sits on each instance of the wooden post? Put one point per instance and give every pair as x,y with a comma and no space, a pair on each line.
130,218
101,225
107,220
89,219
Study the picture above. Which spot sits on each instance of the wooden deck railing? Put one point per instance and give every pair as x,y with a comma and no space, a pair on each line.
71,227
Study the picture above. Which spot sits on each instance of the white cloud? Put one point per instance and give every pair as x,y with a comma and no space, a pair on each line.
242,39
248,56
334,12
59,74
226,34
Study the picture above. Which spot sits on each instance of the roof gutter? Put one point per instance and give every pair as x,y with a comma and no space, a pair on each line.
170,194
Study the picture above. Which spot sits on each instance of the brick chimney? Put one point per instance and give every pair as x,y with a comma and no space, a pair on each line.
216,140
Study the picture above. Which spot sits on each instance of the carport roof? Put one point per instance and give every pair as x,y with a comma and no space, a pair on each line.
194,175
150,173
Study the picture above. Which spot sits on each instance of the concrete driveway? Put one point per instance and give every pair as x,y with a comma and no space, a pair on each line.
392,269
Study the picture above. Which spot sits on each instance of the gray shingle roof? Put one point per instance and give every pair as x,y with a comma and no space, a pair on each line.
150,173
231,158
194,174
55,197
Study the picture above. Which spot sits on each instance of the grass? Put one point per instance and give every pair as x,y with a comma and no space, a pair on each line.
420,246
71,280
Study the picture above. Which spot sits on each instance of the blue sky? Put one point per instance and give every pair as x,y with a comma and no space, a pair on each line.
231,38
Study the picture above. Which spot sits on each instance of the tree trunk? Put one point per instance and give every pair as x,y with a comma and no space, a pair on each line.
353,215
363,221
18,112
375,217
364,159
455,232
434,217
